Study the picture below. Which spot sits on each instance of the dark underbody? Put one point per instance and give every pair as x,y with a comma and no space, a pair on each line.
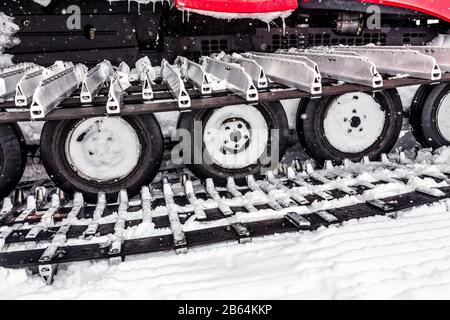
118,33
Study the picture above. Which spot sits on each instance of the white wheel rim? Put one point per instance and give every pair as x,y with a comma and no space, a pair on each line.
103,149
443,117
354,122
236,137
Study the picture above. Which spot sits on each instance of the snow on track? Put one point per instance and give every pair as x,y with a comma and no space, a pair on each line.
371,258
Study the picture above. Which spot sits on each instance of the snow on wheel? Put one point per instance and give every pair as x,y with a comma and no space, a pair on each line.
102,154
103,149
430,116
351,125
13,158
236,140
233,139
353,122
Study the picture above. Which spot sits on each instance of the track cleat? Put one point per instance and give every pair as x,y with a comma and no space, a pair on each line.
223,207
324,195
329,165
146,204
34,232
6,209
433,192
328,217
30,208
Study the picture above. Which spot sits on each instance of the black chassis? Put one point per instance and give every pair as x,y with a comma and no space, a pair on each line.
118,32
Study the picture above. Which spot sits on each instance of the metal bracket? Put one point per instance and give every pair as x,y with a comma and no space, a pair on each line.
242,231
194,72
147,75
348,68
119,83
290,72
147,90
440,53
173,79
238,80
52,91
253,69
27,86
95,80
396,61
48,272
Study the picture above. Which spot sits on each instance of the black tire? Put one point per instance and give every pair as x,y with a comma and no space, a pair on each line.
275,118
53,139
13,158
310,128
423,118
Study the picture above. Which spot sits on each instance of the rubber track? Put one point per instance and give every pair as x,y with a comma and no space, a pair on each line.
208,235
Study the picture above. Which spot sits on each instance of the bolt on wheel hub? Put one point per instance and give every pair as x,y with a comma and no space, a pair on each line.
103,149
237,134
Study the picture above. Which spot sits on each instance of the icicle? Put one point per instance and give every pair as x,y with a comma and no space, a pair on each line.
268,26
283,19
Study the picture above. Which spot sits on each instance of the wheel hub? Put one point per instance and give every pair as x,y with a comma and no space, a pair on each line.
236,134
353,122
103,149
235,137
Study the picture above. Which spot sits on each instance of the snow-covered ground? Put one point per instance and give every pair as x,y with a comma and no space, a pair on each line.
376,258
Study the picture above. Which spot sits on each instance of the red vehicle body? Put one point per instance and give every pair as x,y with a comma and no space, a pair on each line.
437,8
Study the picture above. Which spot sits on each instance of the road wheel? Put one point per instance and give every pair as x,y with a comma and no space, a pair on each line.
235,141
350,126
102,154
13,158
430,116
